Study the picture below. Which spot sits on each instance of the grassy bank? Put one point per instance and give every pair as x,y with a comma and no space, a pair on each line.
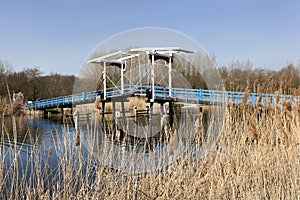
257,158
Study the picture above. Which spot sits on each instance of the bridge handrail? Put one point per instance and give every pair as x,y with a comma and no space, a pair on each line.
163,92
65,100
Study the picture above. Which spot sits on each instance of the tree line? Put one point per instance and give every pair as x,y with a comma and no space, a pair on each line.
236,76
241,76
33,83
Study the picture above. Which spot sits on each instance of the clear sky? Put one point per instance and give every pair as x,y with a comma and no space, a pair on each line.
57,35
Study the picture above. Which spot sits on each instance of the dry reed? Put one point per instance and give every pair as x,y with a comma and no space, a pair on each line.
257,157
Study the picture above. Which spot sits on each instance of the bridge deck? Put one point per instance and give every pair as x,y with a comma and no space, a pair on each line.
161,93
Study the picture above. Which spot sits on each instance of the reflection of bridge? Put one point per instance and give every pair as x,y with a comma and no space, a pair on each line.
161,93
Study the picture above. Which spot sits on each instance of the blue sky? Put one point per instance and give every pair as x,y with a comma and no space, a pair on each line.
56,36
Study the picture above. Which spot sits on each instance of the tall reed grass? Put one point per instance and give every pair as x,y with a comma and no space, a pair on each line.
257,156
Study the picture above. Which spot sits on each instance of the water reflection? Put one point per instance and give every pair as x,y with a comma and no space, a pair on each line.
44,148
15,129
34,149
119,143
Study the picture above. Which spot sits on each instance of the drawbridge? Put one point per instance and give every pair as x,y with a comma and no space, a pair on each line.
162,93
149,86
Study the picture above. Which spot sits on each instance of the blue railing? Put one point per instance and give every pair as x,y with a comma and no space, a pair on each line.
198,96
62,101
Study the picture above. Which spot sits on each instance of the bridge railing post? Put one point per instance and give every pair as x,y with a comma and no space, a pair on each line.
252,98
83,96
186,95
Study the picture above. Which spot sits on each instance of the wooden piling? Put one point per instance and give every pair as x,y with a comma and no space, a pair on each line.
88,120
103,112
171,113
162,109
135,119
76,121
123,115
150,118
77,140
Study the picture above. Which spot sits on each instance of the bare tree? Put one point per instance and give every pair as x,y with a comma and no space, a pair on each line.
5,70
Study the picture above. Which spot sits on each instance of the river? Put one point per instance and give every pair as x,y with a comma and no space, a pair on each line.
47,150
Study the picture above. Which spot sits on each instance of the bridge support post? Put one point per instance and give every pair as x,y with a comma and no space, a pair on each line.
170,75
114,109
103,112
123,115
64,117
162,109
88,120
152,80
114,115
171,113
136,120
76,121
150,118
77,142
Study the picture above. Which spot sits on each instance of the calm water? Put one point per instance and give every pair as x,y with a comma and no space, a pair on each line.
44,147
38,151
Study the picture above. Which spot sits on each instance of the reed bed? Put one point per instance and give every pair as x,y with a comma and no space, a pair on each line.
257,156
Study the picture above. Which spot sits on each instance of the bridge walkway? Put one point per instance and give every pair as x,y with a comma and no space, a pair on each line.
161,93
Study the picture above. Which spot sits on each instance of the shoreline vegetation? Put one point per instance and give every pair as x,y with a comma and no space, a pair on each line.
257,157
236,76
